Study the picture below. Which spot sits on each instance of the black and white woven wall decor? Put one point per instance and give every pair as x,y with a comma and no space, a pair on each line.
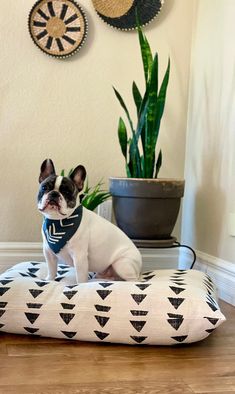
58,27
122,14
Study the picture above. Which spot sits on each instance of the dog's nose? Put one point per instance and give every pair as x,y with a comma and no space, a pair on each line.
54,195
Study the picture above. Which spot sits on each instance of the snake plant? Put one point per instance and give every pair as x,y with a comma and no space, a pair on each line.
139,149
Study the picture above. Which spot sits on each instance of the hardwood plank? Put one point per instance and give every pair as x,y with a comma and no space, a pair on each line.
134,387
215,385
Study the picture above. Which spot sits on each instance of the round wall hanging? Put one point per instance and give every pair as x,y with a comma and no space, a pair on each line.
58,27
122,14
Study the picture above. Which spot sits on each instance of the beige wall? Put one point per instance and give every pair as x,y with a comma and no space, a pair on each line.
210,158
66,110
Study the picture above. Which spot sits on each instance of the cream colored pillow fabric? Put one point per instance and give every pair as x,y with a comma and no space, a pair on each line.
166,307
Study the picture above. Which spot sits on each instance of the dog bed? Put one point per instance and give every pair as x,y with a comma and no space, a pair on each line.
165,307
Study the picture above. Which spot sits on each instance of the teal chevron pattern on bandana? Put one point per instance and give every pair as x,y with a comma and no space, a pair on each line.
59,232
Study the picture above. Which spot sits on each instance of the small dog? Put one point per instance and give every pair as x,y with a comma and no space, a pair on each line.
78,236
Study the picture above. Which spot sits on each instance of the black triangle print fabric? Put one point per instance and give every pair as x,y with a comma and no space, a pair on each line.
165,307
67,317
138,297
210,330
105,284
67,306
138,339
70,294
143,286
102,308
176,290
62,272
69,334
180,338
42,283
5,282
58,278
104,293
212,306
32,317
138,324
33,270
139,313
101,335
35,293
33,305
175,323
102,320
3,290
31,330
147,278
176,302
212,320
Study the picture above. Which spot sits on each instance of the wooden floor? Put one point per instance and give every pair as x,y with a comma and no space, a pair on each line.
40,365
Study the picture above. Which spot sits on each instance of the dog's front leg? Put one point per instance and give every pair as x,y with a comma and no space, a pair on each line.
80,262
51,260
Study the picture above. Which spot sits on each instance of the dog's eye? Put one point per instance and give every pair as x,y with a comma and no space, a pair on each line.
43,188
67,193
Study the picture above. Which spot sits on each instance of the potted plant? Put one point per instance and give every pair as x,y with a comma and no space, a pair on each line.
145,206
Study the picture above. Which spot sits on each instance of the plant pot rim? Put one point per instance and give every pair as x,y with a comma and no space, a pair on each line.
154,180
146,187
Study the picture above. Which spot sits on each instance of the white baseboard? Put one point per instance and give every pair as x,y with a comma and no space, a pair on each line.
15,252
167,258
223,272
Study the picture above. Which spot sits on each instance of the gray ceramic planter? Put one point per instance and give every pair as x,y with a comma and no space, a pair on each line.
146,209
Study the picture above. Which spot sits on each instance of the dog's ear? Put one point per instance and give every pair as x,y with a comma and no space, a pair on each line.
78,176
47,169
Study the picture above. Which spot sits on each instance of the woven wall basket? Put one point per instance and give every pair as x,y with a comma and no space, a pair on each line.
58,27
122,14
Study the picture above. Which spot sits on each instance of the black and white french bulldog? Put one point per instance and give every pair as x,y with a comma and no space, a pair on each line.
78,236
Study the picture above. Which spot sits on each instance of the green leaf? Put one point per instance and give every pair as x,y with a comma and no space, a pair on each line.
128,172
149,152
142,115
121,101
142,166
87,188
145,124
134,151
137,97
146,53
122,136
62,172
160,107
149,56
162,92
91,202
94,196
158,164
156,104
